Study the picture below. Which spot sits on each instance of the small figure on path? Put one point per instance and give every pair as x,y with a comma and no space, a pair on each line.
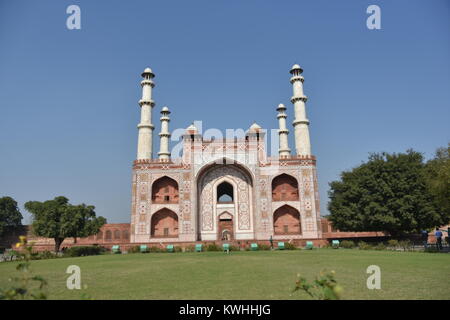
271,242
424,234
438,235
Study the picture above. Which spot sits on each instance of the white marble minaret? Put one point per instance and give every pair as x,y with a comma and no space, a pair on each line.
284,150
145,127
301,123
164,135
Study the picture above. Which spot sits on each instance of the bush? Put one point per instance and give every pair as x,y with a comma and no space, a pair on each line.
47,255
190,248
380,246
324,287
213,247
289,246
393,243
234,248
156,249
364,245
431,249
84,251
134,249
405,245
348,244
264,247
177,249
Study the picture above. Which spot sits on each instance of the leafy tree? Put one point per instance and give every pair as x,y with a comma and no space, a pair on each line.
438,179
10,215
387,193
58,219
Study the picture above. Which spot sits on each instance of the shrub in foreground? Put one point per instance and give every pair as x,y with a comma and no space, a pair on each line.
213,247
393,243
348,244
84,251
364,245
134,249
380,246
405,245
289,246
431,249
324,287
45,255
190,248
26,285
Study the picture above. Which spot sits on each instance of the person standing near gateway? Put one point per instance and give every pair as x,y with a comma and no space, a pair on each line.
438,235
424,234
271,242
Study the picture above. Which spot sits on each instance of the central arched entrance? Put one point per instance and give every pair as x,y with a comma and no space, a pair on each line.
225,227
225,202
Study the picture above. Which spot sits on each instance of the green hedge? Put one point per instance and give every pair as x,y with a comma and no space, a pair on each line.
347,244
289,246
134,249
364,245
84,251
213,247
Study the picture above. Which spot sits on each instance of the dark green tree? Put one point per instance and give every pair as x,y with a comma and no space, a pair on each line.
58,219
438,179
10,216
387,193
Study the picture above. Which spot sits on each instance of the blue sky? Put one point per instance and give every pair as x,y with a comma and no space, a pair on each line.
68,98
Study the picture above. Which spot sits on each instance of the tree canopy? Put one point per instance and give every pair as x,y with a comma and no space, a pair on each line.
438,179
387,193
10,215
58,219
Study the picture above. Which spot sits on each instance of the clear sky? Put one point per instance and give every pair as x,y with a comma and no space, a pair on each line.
68,98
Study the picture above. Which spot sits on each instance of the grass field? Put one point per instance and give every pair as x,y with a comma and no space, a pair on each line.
244,275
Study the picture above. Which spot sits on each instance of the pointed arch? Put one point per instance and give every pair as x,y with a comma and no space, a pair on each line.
225,192
225,161
164,224
286,221
165,190
285,188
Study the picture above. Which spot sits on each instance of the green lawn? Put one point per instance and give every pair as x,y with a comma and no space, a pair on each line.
244,275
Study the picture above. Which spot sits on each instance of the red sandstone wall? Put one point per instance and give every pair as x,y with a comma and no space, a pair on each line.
119,233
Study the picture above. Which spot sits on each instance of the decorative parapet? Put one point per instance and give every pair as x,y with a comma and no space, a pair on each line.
164,164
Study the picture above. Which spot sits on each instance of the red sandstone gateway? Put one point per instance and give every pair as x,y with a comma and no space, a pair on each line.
221,189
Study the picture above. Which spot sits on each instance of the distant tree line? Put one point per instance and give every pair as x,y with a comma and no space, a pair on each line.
399,193
57,218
